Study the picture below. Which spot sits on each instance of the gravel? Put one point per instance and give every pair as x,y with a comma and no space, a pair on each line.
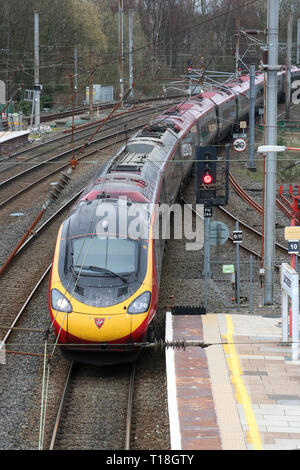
182,284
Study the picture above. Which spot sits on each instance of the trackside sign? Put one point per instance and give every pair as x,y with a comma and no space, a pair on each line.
290,288
289,279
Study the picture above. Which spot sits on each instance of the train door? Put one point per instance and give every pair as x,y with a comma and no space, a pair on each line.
159,242
208,127
227,117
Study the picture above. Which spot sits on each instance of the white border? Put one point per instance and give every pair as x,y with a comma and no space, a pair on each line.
171,388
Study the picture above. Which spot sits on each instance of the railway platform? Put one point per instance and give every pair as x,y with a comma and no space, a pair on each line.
11,140
241,392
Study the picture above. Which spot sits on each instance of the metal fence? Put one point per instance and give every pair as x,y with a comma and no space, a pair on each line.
239,284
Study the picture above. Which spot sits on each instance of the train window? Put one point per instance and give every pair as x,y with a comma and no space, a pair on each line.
96,255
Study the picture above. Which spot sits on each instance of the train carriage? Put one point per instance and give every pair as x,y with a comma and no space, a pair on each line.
104,284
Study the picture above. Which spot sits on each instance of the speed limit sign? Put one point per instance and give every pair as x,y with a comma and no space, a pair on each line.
239,145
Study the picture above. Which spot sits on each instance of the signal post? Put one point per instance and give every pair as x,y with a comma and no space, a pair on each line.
212,189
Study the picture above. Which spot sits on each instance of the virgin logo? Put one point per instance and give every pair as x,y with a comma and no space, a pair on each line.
99,322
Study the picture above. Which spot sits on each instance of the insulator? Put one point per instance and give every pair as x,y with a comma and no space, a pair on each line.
53,195
160,345
58,189
65,177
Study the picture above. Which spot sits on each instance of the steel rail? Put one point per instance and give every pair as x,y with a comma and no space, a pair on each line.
61,406
59,156
46,272
52,217
63,154
229,237
251,229
87,154
63,400
69,112
256,232
26,303
76,132
92,125
243,247
129,406
239,190
251,202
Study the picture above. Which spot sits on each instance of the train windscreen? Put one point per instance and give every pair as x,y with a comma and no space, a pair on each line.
94,254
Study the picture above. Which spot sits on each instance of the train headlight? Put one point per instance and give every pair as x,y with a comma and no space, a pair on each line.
60,302
140,304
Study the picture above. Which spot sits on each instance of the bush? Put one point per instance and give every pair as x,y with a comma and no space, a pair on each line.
46,101
25,107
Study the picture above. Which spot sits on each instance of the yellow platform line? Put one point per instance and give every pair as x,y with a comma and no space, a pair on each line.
242,396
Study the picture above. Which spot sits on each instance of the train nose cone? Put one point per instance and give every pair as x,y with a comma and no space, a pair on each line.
98,328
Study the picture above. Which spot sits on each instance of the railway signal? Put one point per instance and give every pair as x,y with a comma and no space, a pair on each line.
206,167
212,176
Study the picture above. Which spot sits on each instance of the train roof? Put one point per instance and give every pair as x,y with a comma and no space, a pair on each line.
135,170
103,217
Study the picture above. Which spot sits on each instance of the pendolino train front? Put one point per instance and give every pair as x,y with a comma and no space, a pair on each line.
106,269
103,282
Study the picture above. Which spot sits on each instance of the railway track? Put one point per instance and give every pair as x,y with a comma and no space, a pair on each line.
23,291
83,109
42,152
12,162
250,229
253,232
252,203
36,152
57,163
250,260
21,182
232,217
87,423
21,274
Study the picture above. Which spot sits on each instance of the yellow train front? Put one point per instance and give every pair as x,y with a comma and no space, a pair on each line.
103,289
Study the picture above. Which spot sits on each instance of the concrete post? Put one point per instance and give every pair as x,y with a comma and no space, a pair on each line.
288,65
270,176
237,270
75,74
121,48
298,42
91,87
251,164
206,257
37,90
130,26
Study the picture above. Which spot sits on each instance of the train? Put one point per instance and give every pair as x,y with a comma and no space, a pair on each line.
104,282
